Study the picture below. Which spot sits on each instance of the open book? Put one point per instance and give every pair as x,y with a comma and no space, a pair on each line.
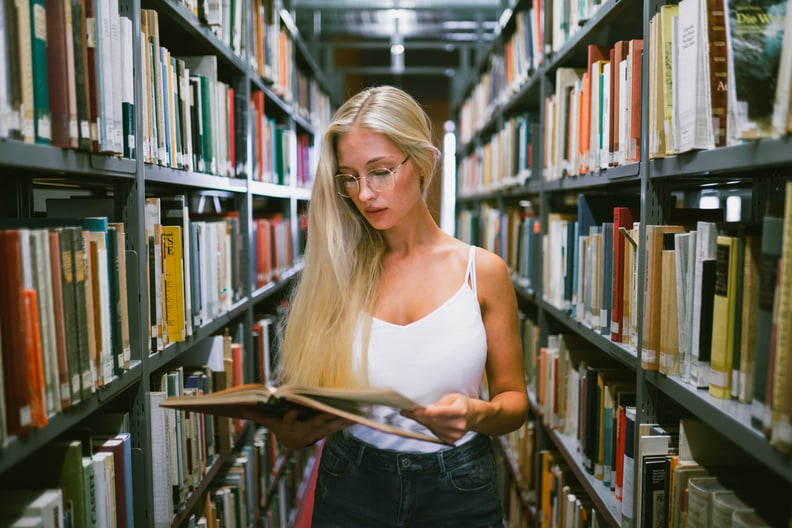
252,401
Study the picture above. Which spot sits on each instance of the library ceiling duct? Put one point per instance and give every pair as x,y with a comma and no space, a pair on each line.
417,45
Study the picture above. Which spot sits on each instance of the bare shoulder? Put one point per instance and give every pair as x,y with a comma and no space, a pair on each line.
492,276
491,265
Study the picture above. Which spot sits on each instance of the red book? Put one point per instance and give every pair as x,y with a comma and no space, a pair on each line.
60,72
622,217
634,125
619,53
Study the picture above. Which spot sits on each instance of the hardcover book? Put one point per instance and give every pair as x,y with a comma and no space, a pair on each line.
252,401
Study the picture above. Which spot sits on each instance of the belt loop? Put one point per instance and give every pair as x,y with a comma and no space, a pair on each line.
441,460
361,449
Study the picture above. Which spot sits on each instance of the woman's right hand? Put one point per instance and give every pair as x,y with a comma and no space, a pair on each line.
294,432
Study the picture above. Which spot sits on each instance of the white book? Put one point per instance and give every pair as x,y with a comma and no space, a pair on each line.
104,476
706,249
186,101
127,76
566,79
686,74
153,224
104,75
26,521
624,112
118,57
42,282
45,504
782,117
604,150
104,343
595,70
681,250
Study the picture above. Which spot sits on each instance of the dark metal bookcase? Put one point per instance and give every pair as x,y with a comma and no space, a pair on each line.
754,171
31,173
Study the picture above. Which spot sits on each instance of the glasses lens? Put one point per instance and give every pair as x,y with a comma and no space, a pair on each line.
380,179
346,185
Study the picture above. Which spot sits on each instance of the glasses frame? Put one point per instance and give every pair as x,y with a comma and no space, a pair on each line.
357,179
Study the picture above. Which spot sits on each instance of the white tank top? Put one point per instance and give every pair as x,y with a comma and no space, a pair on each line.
444,351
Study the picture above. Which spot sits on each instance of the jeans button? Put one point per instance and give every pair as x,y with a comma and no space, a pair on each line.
405,462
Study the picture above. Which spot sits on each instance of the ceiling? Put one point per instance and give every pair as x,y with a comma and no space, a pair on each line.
354,41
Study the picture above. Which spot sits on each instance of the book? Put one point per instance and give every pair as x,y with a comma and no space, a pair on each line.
782,111
60,329
700,333
749,315
682,253
58,465
173,290
60,73
120,447
779,395
699,500
653,288
668,350
725,324
251,401
771,246
755,33
46,504
653,494
623,217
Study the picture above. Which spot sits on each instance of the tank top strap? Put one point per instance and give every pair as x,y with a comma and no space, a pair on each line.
470,273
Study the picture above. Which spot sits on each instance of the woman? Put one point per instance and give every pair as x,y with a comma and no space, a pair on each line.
387,299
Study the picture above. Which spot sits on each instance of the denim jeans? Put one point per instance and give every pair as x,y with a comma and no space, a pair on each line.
362,486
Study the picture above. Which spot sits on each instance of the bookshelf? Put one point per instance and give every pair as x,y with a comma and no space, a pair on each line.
250,51
518,76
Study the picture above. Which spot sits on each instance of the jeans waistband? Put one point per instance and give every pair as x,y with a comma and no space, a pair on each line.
404,463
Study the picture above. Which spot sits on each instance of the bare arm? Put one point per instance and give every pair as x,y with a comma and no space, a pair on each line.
507,409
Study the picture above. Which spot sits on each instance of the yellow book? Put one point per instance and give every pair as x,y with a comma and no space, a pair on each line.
728,271
174,281
781,433
669,323
668,15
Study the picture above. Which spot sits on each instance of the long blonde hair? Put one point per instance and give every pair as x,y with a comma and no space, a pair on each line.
343,254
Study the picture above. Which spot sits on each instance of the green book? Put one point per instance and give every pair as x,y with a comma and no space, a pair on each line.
58,465
38,36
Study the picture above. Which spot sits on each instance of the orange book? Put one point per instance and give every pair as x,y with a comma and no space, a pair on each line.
35,359
653,287
595,54
584,124
12,311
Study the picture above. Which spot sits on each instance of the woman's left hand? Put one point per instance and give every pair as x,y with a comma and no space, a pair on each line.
449,418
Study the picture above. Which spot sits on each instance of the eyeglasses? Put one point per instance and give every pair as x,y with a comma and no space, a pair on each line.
378,180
